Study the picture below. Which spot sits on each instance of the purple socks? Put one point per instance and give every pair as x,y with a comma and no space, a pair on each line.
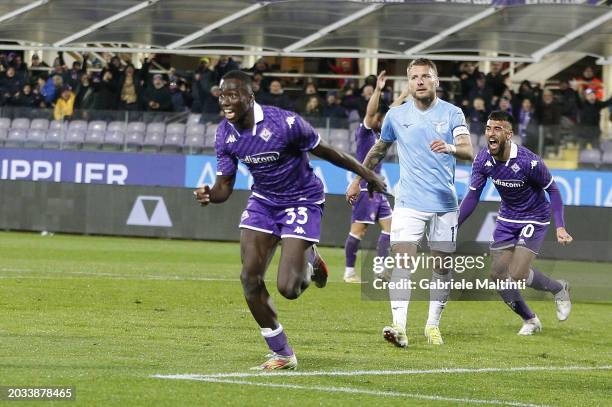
351,246
277,340
384,243
513,299
540,281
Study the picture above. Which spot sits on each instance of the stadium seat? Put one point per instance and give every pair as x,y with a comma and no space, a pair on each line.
133,140
157,127
16,137
117,126
39,124
53,138
35,139
136,127
3,135
113,140
5,123
195,142
175,128
606,159
74,138
606,145
338,135
20,123
97,125
56,125
194,118
591,158
211,130
152,141
94,138
173,143
196,130
209,141
80,125
323,132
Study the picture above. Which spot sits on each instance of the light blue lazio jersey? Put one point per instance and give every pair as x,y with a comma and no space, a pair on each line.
427,179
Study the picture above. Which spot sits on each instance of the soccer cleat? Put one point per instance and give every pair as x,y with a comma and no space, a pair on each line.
562,301
433,335
530,326
353,278
396,335
319,269
278,362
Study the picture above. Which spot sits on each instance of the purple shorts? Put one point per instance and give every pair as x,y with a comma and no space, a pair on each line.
369,210
302,220
527,235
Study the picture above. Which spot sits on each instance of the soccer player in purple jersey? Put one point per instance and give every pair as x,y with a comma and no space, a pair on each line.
286,202
367,210
520,177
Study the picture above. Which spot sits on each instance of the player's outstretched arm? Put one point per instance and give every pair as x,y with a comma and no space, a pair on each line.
376,154
346,161
220,192
372,107
556,202
469,203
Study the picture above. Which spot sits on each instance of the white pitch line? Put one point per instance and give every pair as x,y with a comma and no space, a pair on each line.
379,393
385,372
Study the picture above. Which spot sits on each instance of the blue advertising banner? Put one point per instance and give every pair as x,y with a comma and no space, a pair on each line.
92,167
579,188
588,188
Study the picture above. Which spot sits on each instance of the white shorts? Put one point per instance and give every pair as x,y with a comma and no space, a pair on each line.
408,225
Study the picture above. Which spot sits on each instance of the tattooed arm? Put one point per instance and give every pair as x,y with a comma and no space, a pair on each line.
376,154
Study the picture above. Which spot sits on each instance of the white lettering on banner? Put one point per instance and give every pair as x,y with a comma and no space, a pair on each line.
562,182
41,170
319,173
608,201
20,169
117,174
159,217
207,176
94,172
577,185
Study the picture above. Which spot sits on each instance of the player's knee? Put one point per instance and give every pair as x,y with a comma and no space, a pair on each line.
251,283
289,290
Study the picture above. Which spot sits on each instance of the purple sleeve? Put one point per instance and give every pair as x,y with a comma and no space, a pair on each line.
469,203
557,204
539,173
226,164
302,134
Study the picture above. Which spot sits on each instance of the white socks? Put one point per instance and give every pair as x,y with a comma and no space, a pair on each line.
438,298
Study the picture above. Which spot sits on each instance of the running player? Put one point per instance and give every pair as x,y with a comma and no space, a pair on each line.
286,202
430,133
520,177
367,210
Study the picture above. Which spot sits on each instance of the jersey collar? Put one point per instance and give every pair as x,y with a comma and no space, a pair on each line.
258,117
513,153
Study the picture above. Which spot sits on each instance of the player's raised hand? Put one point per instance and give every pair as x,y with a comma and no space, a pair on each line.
381,80
352,192
563,237
202,195
442,147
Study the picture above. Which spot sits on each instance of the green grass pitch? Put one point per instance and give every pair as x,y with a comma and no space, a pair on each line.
107,314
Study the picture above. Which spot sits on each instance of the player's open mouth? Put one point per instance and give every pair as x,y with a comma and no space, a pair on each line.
229,114
493,143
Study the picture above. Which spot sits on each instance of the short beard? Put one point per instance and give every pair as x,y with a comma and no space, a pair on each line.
426,100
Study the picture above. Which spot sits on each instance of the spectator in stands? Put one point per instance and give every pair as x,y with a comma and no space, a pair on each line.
203,80
130,88
527,125
569,101
51,89
105,92
224,65
495,80
589,80
589,116
477,116
481,91
181,97
313,107
10,84
342,66
157,97
467,75
548,114
310,90
26,98
277,96
64,107
526,91
259,68
505,105
359,103
211,107
332,107
85,94
36,68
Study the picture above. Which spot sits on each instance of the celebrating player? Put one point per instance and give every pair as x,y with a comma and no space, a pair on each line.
286,203
366,210
430,133
520,177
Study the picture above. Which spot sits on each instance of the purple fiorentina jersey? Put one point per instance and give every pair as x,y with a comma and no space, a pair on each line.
520,181
364,140
275,151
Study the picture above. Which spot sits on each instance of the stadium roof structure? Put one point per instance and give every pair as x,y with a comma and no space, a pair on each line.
508,30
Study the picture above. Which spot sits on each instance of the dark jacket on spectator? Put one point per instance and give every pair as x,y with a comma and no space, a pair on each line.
161,96
85,97
106,95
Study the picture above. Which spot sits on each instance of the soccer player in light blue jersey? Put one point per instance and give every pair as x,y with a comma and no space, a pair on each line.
430,134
